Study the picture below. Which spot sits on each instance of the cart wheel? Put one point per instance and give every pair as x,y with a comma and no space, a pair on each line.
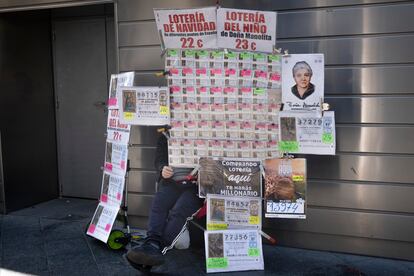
116,240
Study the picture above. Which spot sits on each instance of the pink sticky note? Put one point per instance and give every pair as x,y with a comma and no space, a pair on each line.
187,70
118,196
275,77
91,228
108,166
122,164
104,198
112,101
201,71
108,227
246,73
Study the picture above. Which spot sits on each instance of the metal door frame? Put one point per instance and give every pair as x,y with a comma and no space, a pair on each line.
2,193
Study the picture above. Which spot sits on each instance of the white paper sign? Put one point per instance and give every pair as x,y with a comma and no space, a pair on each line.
307,132
145,105
285,187
187,28
102,222
116,158
247,30
118,80
233,212
112,189
302,81
233,250
116,131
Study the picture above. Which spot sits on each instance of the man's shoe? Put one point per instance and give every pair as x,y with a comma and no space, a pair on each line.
147,254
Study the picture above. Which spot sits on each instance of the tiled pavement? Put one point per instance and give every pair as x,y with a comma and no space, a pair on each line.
49,239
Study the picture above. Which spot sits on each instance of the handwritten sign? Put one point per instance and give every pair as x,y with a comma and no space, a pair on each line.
246,29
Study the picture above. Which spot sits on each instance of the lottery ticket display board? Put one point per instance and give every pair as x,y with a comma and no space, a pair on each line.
223,104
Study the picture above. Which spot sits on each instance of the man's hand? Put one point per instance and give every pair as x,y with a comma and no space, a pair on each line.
167,172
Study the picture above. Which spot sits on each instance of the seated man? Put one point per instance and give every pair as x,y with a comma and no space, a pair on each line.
172,204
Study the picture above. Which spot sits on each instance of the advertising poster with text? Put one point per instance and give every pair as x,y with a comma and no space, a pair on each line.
246,30
285,188
233,250
187,28
230,177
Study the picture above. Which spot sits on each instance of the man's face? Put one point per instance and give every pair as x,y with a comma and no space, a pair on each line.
302,78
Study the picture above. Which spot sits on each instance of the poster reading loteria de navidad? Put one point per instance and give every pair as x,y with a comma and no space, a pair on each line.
187,28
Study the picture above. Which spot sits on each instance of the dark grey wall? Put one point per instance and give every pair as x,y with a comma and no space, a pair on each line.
360,200
27,115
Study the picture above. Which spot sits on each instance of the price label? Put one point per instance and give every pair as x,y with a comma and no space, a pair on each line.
217,263
298,178
289,146
128,115
254,220
217,226
164,110
253,252
327,138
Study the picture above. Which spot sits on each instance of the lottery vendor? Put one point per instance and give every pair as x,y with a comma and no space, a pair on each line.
173,203
302,74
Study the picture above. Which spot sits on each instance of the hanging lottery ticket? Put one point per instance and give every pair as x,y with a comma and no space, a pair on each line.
225,212
102,222
145,105
118,80
112,189
116,158
307,132
233,250
285,188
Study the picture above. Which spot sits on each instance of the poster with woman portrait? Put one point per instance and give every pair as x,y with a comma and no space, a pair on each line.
302,81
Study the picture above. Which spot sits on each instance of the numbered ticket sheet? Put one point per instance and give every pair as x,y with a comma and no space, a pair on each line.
112,189
307,132
116,131
233,250
118,80
102,222
116,158
233,212
145,105
285,188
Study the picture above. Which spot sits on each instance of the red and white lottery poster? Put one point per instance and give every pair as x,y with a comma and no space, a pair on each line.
187,28
246,30
102,222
